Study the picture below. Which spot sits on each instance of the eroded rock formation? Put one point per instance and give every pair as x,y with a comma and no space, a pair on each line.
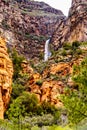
6,71
73,28
49,80
48,87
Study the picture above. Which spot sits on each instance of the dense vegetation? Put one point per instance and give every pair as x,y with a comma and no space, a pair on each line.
75,100
24,111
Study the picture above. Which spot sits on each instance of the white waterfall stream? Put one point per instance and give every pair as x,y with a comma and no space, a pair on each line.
47,52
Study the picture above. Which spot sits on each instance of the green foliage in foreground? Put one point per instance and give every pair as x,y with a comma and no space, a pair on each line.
26,103
75,100
82,125
9,125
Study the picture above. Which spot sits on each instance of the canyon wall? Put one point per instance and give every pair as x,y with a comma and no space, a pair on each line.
6,71
74,27
28,25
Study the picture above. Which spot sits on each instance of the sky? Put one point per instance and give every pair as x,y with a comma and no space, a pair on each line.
63,5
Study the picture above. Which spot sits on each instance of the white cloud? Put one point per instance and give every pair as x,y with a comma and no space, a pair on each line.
63,5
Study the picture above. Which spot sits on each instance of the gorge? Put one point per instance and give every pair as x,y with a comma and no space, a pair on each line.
38,84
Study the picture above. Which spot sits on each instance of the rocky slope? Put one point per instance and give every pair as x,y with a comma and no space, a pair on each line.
49,79
73,28
27,25
6,72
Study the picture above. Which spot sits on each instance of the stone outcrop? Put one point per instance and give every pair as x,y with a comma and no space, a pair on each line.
6,71
74,27
46,87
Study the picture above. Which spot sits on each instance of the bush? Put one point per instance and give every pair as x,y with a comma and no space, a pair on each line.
39,82
48,108
17,90
10,125
67,46
23,105
24,124
82,125
17,60
64,53
40,38
53,76
75,44
78,51
41,67
44,120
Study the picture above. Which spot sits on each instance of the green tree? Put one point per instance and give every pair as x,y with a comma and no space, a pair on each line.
17,90
23,105
17,60
75,100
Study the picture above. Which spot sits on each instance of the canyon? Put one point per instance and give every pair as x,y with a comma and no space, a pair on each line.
26,27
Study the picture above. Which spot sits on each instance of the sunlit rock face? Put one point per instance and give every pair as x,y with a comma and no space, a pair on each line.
45,87
74,28
6,71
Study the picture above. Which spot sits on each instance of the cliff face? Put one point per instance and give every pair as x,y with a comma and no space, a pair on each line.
28,25
74,28
6,71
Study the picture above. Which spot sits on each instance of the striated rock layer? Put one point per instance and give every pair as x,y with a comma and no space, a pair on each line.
6,71
74,28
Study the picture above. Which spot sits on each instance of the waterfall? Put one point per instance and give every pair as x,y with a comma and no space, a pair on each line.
47,52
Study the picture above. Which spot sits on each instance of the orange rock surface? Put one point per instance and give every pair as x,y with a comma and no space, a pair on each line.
6,72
